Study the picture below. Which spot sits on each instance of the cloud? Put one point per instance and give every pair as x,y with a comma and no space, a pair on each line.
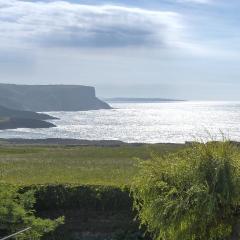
196,1
65,24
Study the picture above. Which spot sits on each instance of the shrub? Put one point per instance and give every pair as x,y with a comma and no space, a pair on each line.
190,195
96,198
16,213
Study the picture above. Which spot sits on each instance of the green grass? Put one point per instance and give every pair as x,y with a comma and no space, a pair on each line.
109,166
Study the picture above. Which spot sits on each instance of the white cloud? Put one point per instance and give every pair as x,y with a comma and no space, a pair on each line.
74,25
196,1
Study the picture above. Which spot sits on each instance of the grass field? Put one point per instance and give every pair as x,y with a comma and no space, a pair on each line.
109,166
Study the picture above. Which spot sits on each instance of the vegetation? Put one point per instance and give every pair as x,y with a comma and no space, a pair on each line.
106,166
103,212
16,213
96,198
184,193
85,184
190,195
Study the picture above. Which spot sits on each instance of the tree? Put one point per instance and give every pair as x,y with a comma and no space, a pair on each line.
16,213
193,194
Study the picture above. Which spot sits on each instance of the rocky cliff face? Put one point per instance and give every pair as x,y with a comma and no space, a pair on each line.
43,98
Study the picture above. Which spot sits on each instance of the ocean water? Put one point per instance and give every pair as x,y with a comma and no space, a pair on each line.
174,122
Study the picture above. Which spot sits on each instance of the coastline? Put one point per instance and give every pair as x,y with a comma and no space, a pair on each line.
84,142
76,142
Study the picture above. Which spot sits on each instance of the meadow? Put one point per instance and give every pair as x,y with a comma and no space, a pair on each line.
75,165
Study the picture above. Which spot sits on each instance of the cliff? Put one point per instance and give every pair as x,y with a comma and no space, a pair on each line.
43,98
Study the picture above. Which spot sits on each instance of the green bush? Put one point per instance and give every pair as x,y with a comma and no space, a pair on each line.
95,198
190,195
126,235
16,213
112,206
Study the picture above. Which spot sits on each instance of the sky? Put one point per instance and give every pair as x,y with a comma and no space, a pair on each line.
185,49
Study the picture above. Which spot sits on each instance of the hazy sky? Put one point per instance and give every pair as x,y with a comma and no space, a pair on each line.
186,49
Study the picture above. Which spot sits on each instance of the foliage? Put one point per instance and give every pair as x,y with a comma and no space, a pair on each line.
190,195
126,235
94,198
97,210
119,235
16,213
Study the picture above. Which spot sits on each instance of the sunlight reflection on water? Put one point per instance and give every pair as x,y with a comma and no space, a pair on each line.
143,122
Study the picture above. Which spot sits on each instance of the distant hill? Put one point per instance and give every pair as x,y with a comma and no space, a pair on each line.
43,98
141,100
12,119
12,113
14,123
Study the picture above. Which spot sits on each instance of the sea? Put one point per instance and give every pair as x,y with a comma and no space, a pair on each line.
159,122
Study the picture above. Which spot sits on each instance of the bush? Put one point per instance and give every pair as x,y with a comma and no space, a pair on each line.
100,211
16,213
190,195
95,198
